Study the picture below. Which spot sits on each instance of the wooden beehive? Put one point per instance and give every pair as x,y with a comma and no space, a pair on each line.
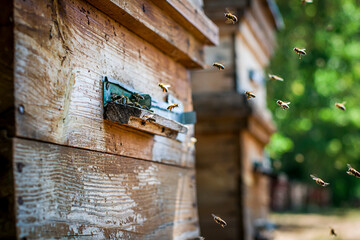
232,131
68,172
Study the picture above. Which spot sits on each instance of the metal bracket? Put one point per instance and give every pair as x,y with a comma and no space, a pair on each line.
112,86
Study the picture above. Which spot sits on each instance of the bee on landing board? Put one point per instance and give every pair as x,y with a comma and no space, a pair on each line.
150,118
306,1
300,52
352,171
127,101
172,106
283,105
137,105
230,18
219,66
274,77
249,95
341,106
332,232
137,96
319,181
164,87
218,220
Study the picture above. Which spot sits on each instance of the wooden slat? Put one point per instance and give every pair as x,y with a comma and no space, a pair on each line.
155,26
64,192
63,49
191,18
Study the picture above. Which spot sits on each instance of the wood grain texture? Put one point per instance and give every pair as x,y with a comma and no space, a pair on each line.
63,49
64,192
157,27
191,18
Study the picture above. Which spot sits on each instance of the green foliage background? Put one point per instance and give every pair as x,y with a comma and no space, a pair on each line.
314,136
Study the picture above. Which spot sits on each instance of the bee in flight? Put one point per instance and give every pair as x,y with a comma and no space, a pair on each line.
306,1
218,220
150,118
249,95
164,87
172,106
300,52
230,18
219,66
352,171
274,77
332,232
283,105
192,142
341,106
319,181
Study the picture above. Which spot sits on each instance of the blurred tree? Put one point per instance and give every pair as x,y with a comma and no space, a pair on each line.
313,135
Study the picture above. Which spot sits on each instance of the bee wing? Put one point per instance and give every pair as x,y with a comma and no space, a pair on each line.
213,215
287,103
279,78
343,103
313,177
228,21
325,184
348,165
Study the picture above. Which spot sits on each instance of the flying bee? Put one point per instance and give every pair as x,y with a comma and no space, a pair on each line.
219,66
352,171
164,87
150,118
218,220
137,96
300,52
230,18
319,181
283,105
341,106
249,95
306,1
172,106
274,77
332,232
192,142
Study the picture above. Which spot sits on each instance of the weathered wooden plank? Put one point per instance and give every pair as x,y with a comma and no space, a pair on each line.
250,41
157,27
63,49
63,192
261,12
191,18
